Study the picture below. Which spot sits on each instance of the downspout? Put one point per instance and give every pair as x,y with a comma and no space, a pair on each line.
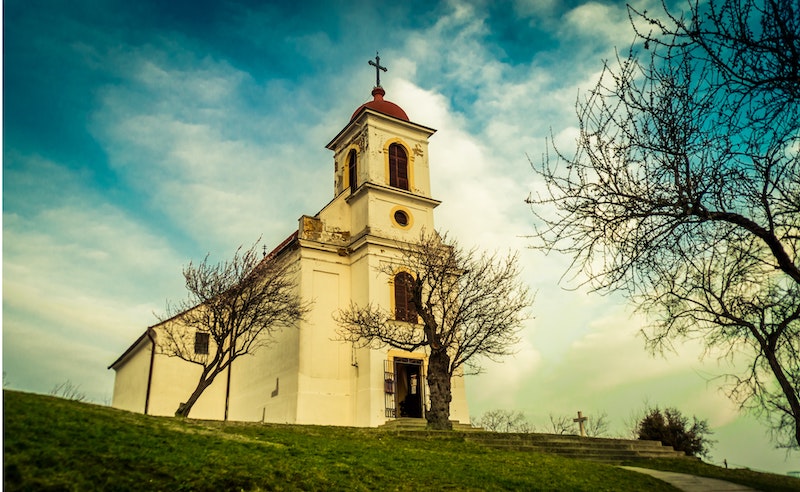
150,371
228,383
227,392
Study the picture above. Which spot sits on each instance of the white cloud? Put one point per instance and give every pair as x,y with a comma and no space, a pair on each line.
599,22
219,170
81,279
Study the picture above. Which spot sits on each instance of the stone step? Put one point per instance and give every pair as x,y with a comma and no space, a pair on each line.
596,449
650,453
607,450
596,444
554,448
413,425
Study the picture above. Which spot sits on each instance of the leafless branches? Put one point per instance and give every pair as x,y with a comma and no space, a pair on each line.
504,421
470,305
684,192
561,424
235,306
597,425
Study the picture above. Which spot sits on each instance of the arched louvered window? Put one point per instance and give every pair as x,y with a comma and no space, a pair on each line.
404,309
352,174
398,166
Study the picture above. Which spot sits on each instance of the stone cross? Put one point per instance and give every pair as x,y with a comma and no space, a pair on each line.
580,420
378,68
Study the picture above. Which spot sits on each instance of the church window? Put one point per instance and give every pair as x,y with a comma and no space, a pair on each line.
404,309
401,218
352,175
201,343
398,166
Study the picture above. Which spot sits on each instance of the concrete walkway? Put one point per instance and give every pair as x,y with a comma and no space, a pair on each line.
691,483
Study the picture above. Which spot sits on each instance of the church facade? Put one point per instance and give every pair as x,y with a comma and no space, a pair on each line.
382,195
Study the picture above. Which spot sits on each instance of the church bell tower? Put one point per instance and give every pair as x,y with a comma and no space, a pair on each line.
382,197
382,171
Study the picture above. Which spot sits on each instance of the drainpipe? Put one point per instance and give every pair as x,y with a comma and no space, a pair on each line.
150,371
228,382
227,393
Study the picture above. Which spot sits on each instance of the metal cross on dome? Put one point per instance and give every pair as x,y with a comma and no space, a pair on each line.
378,68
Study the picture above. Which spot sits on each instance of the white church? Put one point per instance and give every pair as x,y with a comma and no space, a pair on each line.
382,195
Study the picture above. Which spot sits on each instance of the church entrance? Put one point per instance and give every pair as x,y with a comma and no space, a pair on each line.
404,392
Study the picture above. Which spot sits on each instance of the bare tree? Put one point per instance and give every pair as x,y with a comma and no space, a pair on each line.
684,193
561,424
470,305
597,425
504,421
233,308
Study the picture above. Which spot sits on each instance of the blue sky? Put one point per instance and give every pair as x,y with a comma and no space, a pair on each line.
141,135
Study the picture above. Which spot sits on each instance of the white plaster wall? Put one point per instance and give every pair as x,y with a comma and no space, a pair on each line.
382,205
130,379
325,364
459,410
173,382
264,384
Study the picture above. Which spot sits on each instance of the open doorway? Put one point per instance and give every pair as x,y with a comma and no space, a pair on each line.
409,384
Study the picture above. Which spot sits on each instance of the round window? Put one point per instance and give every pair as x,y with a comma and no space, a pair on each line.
401,218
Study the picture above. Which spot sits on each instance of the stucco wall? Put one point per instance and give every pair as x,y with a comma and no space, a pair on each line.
130,379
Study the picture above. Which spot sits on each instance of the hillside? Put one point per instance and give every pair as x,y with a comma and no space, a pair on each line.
56,444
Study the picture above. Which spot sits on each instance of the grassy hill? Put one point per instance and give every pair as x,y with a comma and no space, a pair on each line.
55,444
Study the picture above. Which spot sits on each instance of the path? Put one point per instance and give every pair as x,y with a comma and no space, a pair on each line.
692,483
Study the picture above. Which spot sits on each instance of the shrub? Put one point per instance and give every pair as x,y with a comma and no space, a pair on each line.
672,429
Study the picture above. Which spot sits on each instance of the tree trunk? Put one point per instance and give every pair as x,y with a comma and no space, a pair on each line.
439,384
789,391
186,407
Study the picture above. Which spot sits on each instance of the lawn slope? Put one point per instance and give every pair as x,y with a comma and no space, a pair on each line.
54,444
743,476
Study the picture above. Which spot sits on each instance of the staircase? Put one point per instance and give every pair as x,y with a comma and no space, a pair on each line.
586,448
605,450
421,425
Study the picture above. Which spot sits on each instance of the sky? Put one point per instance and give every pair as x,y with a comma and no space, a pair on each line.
138,136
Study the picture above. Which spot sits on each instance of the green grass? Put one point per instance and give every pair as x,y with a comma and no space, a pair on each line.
756,480
54,444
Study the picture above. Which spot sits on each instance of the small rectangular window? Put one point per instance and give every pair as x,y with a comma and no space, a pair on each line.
201,343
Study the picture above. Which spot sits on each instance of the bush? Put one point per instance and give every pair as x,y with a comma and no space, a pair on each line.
672,429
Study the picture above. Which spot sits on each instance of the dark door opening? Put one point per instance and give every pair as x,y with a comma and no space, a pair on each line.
408,377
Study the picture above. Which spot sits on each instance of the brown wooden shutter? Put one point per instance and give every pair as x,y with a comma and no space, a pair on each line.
352,174
403,305
398,167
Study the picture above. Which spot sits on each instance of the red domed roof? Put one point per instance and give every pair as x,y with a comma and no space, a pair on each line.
382,106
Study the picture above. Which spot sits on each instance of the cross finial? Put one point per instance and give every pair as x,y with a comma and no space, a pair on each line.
378,68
